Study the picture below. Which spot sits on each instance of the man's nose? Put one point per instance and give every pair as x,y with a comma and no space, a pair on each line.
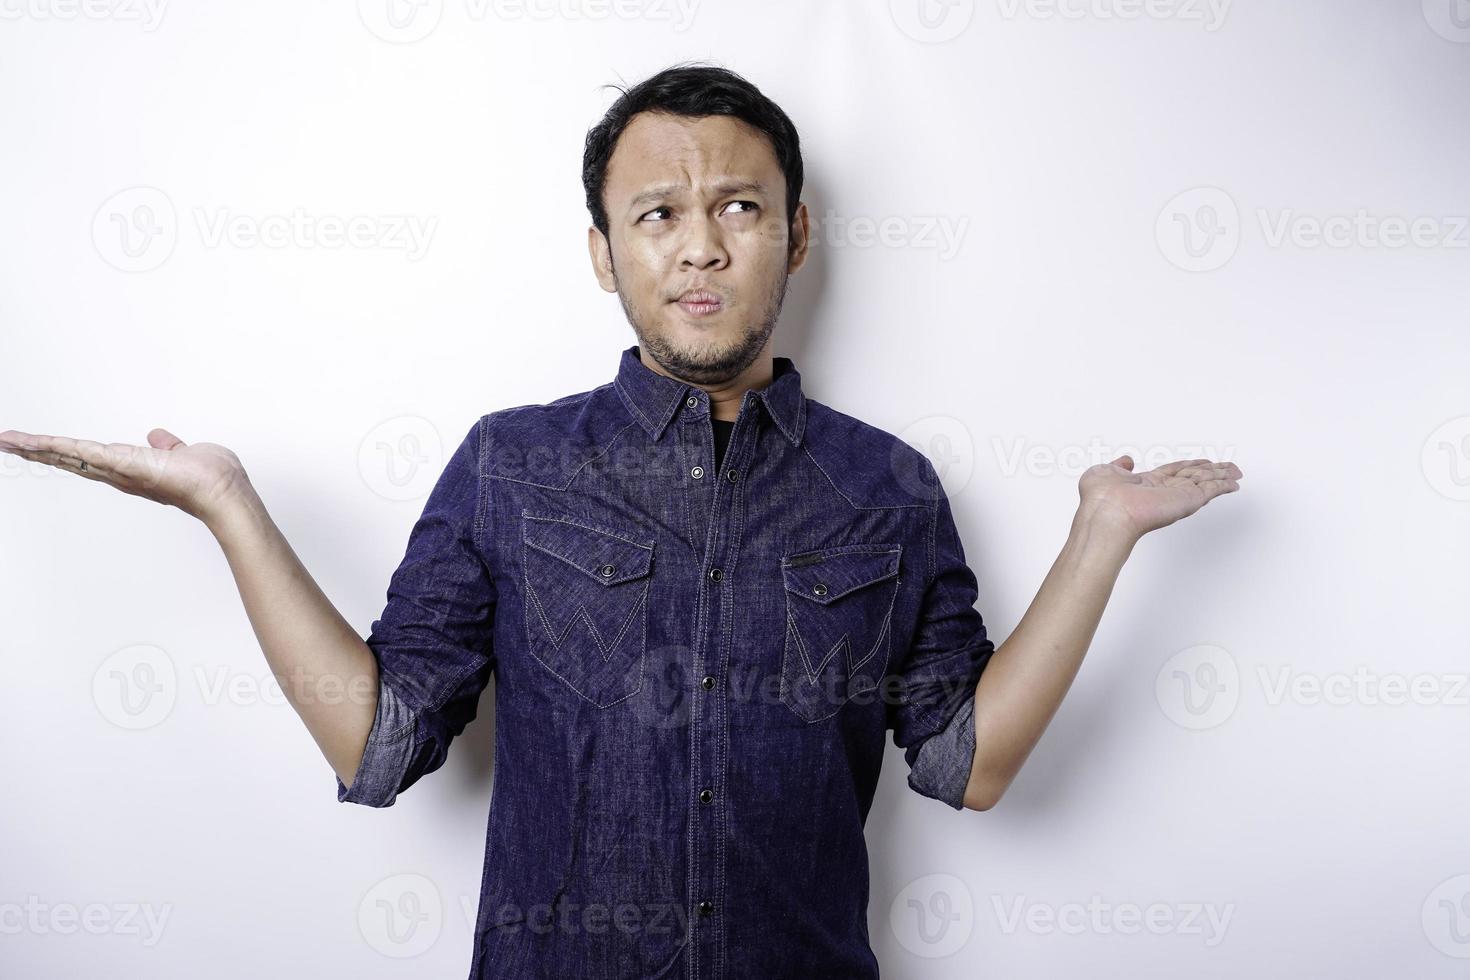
703,245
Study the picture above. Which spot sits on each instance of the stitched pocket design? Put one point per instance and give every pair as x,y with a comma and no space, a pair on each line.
586,604
839,611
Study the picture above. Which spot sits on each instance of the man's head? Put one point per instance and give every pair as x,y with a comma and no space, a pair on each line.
693,180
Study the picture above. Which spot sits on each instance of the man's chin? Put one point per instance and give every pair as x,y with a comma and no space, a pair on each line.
696,353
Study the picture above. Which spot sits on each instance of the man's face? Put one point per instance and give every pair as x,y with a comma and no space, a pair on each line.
697,204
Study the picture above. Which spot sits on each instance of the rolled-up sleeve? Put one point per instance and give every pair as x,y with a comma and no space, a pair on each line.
433,642
933,716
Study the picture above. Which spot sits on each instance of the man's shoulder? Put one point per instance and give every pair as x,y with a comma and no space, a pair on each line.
865,461
552,413
555,436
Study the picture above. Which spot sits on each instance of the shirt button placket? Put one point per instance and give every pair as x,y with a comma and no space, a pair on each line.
709,720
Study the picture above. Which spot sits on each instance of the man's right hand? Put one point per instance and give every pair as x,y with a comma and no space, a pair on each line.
314,653
200,479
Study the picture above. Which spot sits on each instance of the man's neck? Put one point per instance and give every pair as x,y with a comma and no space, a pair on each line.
724,398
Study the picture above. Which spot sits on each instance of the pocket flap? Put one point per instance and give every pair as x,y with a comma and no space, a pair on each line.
607,556
831,573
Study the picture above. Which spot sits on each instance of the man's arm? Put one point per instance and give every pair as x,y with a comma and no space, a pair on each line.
329,674
1029,674
326,670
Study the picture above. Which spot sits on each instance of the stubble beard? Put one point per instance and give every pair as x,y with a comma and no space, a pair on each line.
708,364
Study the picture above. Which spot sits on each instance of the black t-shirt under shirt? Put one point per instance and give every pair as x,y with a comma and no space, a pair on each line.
722,439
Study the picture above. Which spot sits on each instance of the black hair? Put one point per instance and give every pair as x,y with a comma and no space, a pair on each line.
691,89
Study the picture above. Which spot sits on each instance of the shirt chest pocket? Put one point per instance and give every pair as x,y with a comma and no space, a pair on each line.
839,619
586,603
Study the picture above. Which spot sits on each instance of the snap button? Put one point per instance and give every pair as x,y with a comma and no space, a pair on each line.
715,574
707,681
820,589
697,472
706,909
706,795
607,571
732,475
691,401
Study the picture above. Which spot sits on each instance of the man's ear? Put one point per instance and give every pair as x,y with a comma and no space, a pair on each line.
800,233
600,250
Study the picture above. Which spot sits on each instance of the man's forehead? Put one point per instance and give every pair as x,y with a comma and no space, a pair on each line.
659,152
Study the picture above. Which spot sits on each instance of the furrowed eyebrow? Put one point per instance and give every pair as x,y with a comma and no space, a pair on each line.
724,187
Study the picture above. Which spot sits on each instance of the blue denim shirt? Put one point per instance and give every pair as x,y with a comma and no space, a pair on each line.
695,671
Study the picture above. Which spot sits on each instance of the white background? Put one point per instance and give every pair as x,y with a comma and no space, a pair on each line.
1083,308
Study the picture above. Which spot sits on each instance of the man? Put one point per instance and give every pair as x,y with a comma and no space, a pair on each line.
705,596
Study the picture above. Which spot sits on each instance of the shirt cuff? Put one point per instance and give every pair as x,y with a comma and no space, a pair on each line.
386,758
941,768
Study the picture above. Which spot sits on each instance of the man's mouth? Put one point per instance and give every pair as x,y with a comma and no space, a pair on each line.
700,302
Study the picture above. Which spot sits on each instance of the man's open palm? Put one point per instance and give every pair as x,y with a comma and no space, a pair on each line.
1156,498
192,478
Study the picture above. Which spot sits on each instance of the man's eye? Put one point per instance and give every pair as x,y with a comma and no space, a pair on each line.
749,205
654,211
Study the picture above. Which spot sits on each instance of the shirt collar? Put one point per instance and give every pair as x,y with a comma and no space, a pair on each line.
653,398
